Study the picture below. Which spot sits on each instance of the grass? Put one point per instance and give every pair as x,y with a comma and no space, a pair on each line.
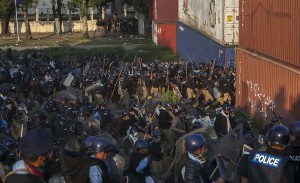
147,53
118,40
72,39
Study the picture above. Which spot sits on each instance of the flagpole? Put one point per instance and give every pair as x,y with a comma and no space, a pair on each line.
16,9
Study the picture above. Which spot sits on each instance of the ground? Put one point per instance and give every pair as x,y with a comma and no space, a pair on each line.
43,40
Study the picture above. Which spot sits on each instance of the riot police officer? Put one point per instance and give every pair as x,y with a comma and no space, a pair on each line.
98,172
294,147
139,163
274,121
272,165
193,170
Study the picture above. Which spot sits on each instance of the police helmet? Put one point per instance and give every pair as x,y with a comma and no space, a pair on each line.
89,141
193,142
125,113
9,142
156,133
295,128
99,145
168,104
4,152
133,130
226,107
197,125
279,135
275,119
141,144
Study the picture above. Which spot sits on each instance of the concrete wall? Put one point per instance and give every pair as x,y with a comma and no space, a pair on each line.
44,27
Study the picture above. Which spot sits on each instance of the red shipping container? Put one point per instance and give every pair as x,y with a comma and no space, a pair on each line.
264,85
165,11
272,28
151,9
166,35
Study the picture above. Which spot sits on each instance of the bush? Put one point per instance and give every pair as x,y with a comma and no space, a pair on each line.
170,97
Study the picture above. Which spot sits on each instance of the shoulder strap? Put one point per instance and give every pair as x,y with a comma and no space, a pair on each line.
13,172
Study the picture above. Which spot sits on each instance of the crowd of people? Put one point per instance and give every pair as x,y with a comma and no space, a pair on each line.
97,119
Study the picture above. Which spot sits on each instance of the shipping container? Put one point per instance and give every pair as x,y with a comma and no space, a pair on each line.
164,34
264,85
195,46
219,19
165,11
151,9
271,28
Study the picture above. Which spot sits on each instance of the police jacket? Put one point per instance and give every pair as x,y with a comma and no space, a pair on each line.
191,83
103,167
193,171
221,126
269,166
135,160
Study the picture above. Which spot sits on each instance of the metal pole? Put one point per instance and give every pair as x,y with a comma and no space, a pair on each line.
16,9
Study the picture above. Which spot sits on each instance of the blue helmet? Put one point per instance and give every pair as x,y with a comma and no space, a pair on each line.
89,141
141,144
279,135
193,142
156,133
133,130
295,128
275,119
100,145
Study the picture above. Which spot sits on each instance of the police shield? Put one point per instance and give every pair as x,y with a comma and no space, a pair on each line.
228,150
180,153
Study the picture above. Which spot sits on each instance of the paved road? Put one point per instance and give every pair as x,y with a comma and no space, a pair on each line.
125,46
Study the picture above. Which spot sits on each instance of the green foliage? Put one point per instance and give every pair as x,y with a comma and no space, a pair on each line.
170,97
151,53
29,4
6,8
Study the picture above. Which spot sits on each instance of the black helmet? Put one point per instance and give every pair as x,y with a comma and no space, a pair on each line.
193,142
141,144
99,145
4,152
275,119
295,128
279,135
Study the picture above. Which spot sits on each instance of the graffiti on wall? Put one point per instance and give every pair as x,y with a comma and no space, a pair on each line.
259,100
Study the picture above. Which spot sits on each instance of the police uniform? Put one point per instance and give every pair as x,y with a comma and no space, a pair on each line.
264,167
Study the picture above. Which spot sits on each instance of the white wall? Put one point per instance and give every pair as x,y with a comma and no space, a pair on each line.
44,27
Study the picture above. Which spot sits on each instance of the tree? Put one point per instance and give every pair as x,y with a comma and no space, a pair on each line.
56,8
6,11
25,6
83,6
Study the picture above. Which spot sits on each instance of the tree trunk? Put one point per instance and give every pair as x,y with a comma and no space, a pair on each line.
5,26
70,20
27,24
84,19
54,15
59,15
